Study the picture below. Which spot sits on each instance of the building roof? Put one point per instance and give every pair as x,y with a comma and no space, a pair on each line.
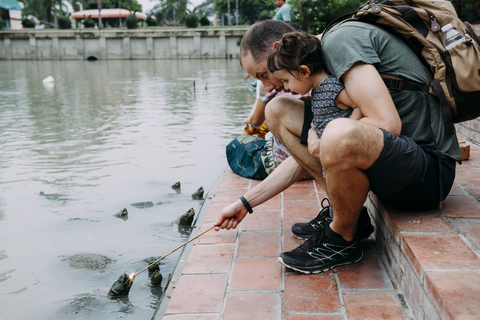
106,13
10,5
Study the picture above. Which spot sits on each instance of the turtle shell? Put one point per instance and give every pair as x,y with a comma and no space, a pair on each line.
121,287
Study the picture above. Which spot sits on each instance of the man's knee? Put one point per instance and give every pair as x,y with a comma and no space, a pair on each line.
339,140
273,110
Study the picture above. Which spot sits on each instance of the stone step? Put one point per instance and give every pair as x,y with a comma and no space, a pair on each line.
434,256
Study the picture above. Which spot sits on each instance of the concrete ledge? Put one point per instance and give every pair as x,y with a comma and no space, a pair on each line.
174,43
434,256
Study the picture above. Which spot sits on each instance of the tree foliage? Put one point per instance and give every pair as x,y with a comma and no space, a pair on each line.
248,10
27,23
314,15
131,21
204,21
64,22
171,11
2,23
191,20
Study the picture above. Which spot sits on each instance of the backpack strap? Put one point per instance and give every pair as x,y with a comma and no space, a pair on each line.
395,84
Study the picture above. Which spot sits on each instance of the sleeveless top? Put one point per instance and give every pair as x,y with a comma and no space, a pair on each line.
323,104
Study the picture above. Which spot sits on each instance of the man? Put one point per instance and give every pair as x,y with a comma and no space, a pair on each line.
389,151
284,12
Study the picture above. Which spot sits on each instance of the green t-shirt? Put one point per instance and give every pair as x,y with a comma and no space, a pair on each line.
284,13
352,42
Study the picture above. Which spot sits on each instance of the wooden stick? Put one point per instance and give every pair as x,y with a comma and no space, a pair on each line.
133,275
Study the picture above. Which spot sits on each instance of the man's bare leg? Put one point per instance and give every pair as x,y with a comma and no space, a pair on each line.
348,148
285,120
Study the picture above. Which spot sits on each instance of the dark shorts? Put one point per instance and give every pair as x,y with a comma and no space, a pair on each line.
404,175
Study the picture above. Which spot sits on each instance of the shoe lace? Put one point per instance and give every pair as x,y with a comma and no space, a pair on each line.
323,214
313,241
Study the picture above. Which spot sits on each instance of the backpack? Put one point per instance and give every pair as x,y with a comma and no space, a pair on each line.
456,72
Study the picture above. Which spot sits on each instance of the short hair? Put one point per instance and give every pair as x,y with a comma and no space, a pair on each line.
296,49
260,37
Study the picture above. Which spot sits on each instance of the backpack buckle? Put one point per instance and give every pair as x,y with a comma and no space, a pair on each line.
394,84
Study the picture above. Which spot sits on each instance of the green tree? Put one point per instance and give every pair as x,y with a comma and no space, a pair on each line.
206,8
191,20
248,10
314,15
171,10
44,10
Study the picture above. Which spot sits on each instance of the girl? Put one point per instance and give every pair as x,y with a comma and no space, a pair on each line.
297,61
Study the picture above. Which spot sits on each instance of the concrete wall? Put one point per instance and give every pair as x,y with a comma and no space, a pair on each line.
175,43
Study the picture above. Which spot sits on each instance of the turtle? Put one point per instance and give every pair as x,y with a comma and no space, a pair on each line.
156,278
154,267
198,195
122,214
121,287
187,218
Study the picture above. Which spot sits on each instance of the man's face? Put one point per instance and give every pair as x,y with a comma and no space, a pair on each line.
279,3
259,70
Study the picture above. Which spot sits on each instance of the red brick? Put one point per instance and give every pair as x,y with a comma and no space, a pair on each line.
274,203
455,293
209,259
192,317
222,236
372,305
311,293
305,209
259,243
369,273
311,317
256,274
198,293
263,220
461,207
253,306
299,193
429,221
474,190
228,195
438,251
468,176
470,228
234,182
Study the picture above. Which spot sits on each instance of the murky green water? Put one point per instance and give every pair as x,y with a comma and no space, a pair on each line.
105,135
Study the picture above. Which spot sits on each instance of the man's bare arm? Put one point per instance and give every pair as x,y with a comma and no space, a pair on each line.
368,91
286,174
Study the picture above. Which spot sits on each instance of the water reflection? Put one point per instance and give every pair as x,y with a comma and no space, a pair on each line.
106,135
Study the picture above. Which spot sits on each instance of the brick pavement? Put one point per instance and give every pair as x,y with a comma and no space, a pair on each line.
423,265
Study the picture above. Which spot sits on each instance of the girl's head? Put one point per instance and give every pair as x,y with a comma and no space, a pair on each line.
297,55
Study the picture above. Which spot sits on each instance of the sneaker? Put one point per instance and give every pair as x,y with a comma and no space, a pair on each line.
306,229
324,250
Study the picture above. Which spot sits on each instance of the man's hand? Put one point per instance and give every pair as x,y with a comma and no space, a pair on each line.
230,216
313,142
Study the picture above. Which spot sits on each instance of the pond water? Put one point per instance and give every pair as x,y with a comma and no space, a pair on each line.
105,135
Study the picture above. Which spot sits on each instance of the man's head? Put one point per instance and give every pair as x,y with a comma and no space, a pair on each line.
279,3
257,43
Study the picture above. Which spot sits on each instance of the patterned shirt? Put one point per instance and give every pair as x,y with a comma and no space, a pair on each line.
323,104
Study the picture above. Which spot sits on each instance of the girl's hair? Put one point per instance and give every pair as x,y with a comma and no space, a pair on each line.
296,49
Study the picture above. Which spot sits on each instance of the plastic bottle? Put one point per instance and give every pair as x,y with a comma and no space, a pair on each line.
451,36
